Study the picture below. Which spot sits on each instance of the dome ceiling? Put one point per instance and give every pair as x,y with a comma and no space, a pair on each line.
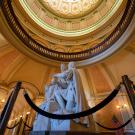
64,33
47,15
46,29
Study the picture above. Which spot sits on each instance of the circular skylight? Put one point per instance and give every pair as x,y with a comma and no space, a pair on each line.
70,8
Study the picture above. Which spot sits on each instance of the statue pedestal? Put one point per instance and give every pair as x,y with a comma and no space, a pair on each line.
81,128
70,125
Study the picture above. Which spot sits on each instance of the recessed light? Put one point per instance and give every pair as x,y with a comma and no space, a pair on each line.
28,112
3,100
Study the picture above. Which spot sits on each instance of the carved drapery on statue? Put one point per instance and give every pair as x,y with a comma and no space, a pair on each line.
42,123
64,95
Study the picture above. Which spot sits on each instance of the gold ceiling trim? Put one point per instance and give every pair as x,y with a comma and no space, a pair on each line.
16,33
73,33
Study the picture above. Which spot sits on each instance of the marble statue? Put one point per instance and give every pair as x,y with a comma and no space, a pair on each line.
74,94
42,123
64,95
50,104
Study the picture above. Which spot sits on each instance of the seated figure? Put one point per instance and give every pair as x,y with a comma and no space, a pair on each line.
64,95
73,93
75,97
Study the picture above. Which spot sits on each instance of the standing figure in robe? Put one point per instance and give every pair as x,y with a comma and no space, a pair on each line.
43,123
50,104
66,93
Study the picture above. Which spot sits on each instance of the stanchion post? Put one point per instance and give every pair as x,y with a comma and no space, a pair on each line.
1,2
8,109
130,91
133,86
5,107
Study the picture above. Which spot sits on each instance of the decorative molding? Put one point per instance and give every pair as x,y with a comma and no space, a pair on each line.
113,49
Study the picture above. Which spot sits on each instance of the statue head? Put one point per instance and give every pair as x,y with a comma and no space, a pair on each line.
63,67
71,65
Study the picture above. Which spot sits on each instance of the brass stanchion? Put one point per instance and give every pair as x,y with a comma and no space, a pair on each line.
130,91
8,108
1,2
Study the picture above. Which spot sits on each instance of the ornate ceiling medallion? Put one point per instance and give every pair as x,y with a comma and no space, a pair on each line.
70,8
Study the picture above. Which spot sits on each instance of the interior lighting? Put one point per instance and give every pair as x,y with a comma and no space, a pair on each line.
3,100
28,113
118,106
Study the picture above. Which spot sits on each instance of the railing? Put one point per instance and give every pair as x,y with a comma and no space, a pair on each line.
62,56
